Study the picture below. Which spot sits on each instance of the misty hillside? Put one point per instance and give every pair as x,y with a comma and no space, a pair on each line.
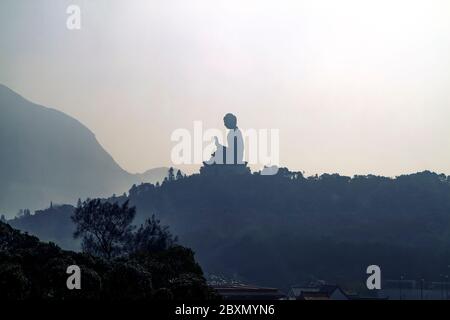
49,156
50,225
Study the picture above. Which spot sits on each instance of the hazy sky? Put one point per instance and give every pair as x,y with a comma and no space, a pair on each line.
354,86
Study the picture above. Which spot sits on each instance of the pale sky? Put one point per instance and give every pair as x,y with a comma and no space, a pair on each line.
354,86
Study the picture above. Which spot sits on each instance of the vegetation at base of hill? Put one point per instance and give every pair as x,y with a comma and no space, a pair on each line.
30,269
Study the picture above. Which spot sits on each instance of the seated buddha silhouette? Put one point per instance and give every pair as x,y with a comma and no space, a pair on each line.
233,153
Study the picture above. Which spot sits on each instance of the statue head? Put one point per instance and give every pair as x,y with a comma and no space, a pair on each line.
230,121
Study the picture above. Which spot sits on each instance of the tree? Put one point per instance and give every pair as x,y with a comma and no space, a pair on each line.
151,237
105,228
171,176
179,175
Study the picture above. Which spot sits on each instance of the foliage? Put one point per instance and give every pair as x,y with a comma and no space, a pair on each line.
107,231
105,227
30,269
151,236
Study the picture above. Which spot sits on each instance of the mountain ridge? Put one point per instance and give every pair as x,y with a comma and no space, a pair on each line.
50,156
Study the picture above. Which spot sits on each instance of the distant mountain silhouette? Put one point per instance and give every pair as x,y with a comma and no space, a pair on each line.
150,176
48,156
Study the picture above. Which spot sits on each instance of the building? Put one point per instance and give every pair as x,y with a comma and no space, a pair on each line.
317,292
248,292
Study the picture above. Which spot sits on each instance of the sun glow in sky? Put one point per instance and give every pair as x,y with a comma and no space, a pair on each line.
354,87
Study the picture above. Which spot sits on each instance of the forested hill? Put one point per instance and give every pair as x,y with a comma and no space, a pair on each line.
285,229
410,209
